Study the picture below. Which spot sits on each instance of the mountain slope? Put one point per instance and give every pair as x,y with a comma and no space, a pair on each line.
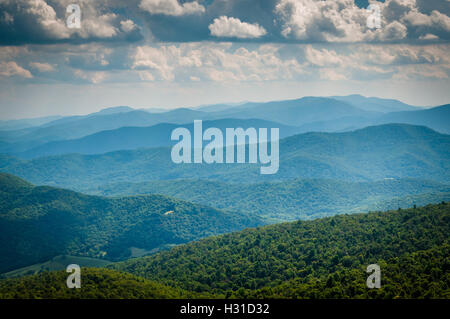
305,251
126,138
291,200
96,284
325,258
25,123
295,112
426,277
373,153
54,264
79,126
437,118
41,222
375,104
310,113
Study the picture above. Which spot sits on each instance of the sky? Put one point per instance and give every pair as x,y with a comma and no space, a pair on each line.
183,53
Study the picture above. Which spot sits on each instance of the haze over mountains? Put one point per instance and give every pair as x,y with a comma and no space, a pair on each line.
369,154
83,134
375,104
111,193
375,167
292,199
126,138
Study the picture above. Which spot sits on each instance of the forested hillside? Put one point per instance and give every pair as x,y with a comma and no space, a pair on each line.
324,258
293,199
421,274
38,223
96,284
373,153
289,259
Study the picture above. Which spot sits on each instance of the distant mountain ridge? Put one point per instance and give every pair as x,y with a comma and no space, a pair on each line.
375,104
308,114
437,118
127,138
369,154
25,123
295,112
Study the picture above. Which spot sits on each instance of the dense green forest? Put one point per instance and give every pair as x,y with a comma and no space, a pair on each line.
38,223
56,263
96,284
421,274
323,258
307,254
294,199
372,153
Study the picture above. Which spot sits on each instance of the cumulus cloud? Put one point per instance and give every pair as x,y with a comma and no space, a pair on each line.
11,68
301,21
213,62
171,7
332,75
91,77
234,28
43,21
42,67
127,25
372,62
343,21
301,36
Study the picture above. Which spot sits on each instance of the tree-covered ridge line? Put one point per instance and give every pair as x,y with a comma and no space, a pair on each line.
269,256
38,223
325,258
97,283
55,264
421,274
293,199
369,154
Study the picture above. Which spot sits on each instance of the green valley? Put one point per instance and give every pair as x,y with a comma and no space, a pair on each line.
292,199
38,223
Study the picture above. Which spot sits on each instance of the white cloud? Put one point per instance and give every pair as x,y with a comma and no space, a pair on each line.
393,31
428,36
92,77
99,27
171,7
372,62
42,67
11,68
332,75
38,21
323,57
339,20
45,17
127,25
411,72
146,57
343,21
233,27
214,62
